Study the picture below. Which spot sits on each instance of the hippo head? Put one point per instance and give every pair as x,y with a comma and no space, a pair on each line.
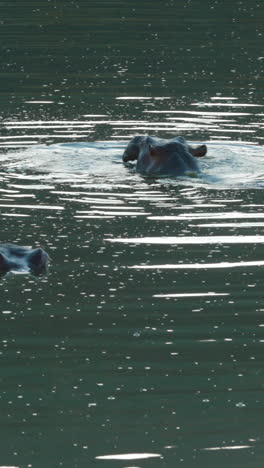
17,258
163,157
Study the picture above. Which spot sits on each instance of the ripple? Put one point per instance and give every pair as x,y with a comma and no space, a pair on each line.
8,466
33,207
225,104
189,266
201,112
191,240
227,165
113,213
192,294
230,447
129,456
17,215
228,225
39,102
220,215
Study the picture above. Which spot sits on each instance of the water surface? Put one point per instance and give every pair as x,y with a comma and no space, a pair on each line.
143,345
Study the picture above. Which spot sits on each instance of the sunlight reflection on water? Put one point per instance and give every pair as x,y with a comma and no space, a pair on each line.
192,240
160,364
187,266
129,456
128,248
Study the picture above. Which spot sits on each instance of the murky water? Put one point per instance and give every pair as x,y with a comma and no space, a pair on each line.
143,345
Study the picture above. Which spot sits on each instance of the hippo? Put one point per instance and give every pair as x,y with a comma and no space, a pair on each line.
158,157
17,258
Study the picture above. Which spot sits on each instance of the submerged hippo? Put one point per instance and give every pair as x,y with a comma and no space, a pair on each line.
163,157
14,257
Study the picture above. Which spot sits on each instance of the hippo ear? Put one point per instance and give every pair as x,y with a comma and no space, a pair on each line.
199,152
2,259
3,263
37,257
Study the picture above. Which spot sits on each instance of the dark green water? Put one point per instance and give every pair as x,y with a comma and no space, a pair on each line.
143,346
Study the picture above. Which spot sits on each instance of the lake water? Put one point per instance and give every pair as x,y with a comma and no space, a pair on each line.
143,345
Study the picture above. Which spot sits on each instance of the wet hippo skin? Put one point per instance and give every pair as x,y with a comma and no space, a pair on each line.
17,258
156,157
